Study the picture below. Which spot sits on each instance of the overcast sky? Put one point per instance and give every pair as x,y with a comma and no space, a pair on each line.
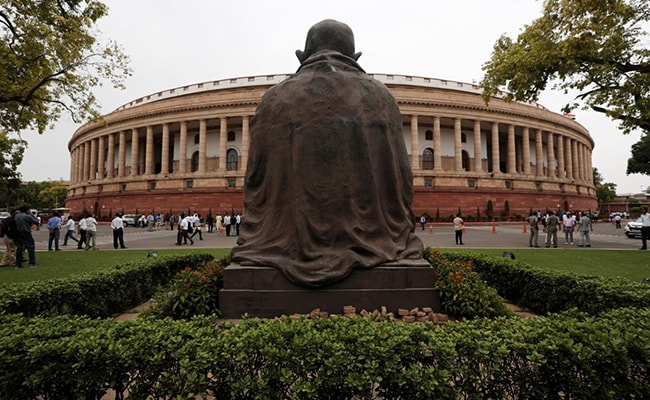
175,43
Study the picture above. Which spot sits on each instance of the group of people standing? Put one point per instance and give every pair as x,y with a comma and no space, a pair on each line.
552,223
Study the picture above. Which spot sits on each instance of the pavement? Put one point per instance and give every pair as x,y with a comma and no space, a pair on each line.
506,235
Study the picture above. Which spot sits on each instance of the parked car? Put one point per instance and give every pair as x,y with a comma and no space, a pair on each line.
129,220
633,228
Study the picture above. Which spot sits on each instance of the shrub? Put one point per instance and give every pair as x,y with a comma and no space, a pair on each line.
462,292
193,291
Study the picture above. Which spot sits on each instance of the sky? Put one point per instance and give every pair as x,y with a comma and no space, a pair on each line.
176,43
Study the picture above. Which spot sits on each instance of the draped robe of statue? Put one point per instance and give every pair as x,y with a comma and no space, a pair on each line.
328,183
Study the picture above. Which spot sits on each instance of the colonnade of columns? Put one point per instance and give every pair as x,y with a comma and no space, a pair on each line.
95,158
562,155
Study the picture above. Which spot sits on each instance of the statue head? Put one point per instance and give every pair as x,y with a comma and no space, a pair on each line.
329,34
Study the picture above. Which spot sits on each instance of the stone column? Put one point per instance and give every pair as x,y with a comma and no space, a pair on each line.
202,146
458,146
164,155
110,162
437,147
86,166
93,160
478,165
182,156
512,163
525,141
415,156
223,139
245,141
149,152
135,148
121,155
568,154
576,161
101,157
496,161
539,153
560,157
550,149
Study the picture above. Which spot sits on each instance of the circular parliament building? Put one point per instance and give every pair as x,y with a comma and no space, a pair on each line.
187,149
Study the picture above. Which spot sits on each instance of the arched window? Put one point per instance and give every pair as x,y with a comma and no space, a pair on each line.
232,136
428,135
427,158
465,160
231,160
194,166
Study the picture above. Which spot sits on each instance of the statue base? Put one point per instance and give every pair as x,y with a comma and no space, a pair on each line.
264,291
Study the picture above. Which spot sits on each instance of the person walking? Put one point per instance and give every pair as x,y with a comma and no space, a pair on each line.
237,223
91,232
117,224
196,224
81,244
585,227
69,231
8,233
459,225
185,225
645,228
24,239
533,225
423,221
226,222
54,227
209,222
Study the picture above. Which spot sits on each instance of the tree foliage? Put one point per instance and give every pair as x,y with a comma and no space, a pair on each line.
50,59
53,195
597,48
11,155
639,163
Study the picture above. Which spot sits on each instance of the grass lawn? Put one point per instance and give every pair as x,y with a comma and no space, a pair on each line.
633,265
64,263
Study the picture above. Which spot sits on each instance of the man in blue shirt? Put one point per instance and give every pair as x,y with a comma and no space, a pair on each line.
54,226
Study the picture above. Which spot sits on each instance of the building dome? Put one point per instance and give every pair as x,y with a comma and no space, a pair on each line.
187,149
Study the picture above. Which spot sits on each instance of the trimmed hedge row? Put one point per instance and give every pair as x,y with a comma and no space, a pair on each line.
96,294
559,356
551,291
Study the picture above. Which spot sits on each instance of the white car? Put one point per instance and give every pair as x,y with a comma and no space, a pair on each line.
633,229
129,220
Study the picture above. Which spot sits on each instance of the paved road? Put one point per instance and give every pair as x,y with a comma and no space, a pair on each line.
483,235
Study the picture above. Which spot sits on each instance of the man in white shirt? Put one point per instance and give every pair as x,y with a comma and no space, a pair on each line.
185,224
83,227
118,231
568,224
91,232
69,234
645,228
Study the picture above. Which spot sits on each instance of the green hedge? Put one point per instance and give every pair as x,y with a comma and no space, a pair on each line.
572,355
96,294
551,291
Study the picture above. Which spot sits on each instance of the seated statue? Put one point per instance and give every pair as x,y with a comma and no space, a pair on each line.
328,183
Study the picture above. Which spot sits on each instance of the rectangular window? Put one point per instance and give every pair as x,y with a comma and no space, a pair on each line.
124,187
189,184
508,184
471,183
428,182
232,183
152,185
538,186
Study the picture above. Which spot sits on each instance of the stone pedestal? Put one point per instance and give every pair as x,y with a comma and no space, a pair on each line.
264,292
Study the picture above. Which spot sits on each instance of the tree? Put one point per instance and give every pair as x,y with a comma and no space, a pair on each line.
639,163
11,155
605,191
50,61
595,48
53,196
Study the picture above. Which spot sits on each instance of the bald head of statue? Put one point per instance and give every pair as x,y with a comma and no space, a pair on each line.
329,34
